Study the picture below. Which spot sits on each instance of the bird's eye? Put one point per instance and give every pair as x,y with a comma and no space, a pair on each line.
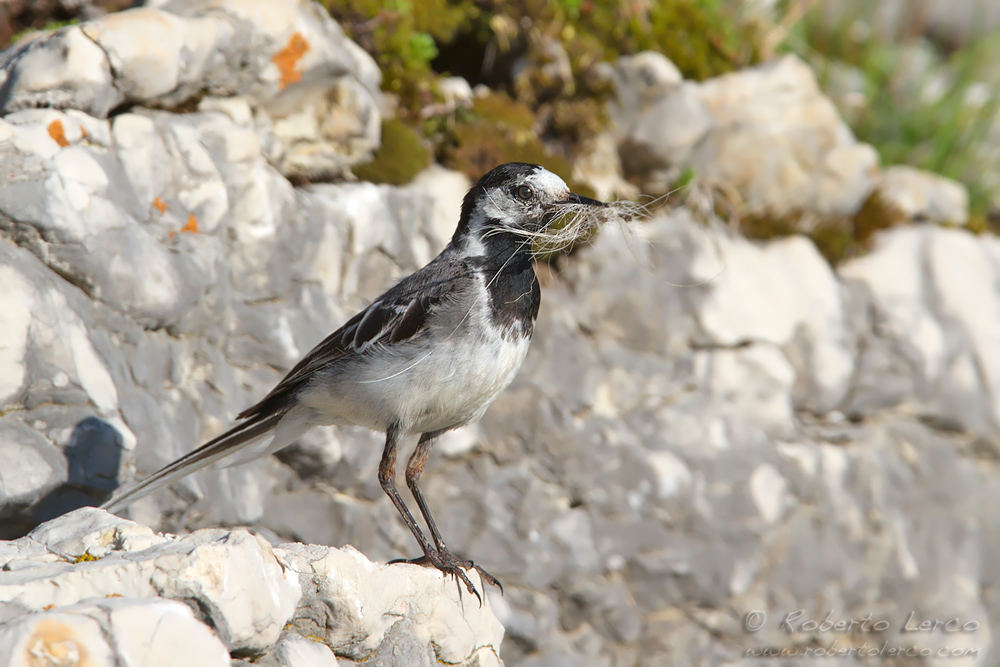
524,193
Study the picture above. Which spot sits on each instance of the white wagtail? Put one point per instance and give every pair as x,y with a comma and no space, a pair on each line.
429,355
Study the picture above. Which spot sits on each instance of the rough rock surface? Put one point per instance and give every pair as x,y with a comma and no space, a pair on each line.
706,426
767,135
924,196
18,17
92,584
110,632
765,139
319,90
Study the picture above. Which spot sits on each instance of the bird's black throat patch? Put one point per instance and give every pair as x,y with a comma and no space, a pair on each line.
514,293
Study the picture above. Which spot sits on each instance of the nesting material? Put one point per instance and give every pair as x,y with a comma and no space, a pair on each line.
578,222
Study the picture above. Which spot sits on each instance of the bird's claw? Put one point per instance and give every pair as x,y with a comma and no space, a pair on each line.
456,567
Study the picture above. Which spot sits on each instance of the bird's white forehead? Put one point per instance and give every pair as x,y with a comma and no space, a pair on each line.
548,182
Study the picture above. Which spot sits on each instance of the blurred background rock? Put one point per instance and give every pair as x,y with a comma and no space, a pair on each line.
780,393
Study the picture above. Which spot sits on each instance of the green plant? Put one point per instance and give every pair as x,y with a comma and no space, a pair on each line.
934,116
403,37
400,157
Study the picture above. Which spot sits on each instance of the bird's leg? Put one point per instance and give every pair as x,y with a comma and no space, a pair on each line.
387,478
414,468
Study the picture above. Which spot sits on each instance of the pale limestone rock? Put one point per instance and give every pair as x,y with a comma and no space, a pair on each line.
324,129
424,604
781,143
32,466
932,287
673,476
765,136
661,140
755,381
924,196
55,639
296,651
643,77
282,42
704,426
447,189
111,632
62,69
456,92
94,532
16,302
769,491
321,89
161,632
783,293
601,169
149,69
238,583
99,581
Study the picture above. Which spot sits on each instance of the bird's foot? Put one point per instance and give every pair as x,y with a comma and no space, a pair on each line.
453,565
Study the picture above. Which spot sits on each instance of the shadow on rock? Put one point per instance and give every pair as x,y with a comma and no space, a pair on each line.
93,459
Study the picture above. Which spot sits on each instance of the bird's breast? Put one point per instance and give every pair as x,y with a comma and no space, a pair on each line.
462,378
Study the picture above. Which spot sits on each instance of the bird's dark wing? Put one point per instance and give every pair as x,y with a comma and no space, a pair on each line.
398,315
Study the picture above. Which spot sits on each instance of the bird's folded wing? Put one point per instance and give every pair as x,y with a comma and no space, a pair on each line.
397,316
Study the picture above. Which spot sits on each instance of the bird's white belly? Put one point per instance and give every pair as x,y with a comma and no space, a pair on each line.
460,382
426,390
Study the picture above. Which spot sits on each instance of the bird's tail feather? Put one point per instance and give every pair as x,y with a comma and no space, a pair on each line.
204,456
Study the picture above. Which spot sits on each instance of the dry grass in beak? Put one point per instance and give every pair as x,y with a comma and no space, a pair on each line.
579,222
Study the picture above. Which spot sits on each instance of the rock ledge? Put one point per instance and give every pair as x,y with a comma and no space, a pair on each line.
91,584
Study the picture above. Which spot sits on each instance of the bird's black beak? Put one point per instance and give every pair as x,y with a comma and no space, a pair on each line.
580,199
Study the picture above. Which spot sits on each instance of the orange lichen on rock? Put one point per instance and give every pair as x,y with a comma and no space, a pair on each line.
55,643
160,205
287,58
58,133
192,225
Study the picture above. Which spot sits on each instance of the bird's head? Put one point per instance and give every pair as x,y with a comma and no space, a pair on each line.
524,206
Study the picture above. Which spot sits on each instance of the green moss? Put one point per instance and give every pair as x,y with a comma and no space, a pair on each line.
876,214
575,121
499,109
837,238
49,26
416,41
495,130
979,224
767,226
700,36
401,156
480,146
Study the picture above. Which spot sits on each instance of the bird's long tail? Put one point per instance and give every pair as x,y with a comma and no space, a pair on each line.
206,455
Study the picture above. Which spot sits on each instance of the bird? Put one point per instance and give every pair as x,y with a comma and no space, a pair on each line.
427,356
